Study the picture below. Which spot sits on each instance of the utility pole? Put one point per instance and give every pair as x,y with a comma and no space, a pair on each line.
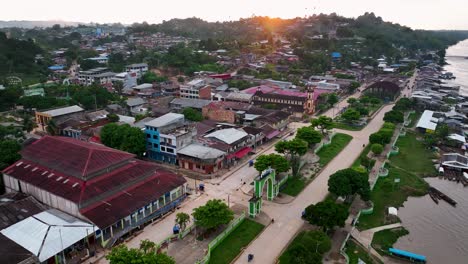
95,103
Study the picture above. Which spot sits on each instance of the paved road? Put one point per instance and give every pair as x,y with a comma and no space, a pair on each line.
287,217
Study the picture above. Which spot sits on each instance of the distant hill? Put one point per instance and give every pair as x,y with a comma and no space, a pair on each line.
33,24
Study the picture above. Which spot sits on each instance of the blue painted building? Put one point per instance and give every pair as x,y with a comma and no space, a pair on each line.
167,134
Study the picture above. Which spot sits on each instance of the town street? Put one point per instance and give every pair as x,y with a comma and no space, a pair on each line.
287,216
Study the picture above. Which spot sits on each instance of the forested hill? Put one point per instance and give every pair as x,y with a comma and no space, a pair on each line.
380,36
18,56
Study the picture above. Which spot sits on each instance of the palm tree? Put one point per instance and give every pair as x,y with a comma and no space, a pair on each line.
182,219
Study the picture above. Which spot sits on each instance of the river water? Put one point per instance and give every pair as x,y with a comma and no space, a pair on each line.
440,231
458,65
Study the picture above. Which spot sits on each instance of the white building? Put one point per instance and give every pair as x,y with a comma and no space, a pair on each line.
138,68
97,75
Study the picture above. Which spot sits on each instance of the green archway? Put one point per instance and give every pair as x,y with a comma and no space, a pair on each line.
268,178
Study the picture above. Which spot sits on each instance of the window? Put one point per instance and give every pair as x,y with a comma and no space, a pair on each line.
155,137
170,150
163,148
155,145
148,135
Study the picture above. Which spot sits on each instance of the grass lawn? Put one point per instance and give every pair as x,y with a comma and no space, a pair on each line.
413,156
414,117
345,126
304,239
383,240
327,153
386,193
356,251
294,186
364,153
231,246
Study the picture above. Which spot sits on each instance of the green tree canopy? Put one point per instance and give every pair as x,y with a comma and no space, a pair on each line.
275,161
332,99
124,137
182,219
377,149
349,182
394,116
192,114
309,135
324,123
9,152
327,214
351,115
404,104
121,254
213,214
293,150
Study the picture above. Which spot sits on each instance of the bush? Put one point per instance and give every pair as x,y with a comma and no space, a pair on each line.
377,149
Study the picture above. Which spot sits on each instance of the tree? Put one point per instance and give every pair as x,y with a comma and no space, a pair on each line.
323,123
9,152
275,161
146,255
28,124
366,162
124,137
404,104
113,118
353,101
52,128
302,254
349,182
442,132
394,116
332,99
147,246
377,149
309,135
151,77
351,115
430,140
353,86
180,79
182,219
213,214
327,214
192,114
293,150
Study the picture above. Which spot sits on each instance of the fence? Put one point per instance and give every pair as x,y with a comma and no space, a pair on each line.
213,244
319,147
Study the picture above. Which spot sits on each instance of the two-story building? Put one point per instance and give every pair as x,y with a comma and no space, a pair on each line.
166,135
138,68
196,89
99,75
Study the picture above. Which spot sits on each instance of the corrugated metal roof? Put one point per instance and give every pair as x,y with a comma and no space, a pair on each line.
165,120
48,233
228,135
426,121
64,111
201,152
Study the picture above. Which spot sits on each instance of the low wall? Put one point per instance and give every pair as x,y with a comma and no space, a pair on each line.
213,244
319,147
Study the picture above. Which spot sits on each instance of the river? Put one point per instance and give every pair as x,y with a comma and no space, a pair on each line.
458,65
440,231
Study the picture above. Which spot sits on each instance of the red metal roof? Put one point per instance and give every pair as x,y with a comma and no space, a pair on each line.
122,204
73,157
123,187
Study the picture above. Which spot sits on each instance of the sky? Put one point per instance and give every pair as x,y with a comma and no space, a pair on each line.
417,14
